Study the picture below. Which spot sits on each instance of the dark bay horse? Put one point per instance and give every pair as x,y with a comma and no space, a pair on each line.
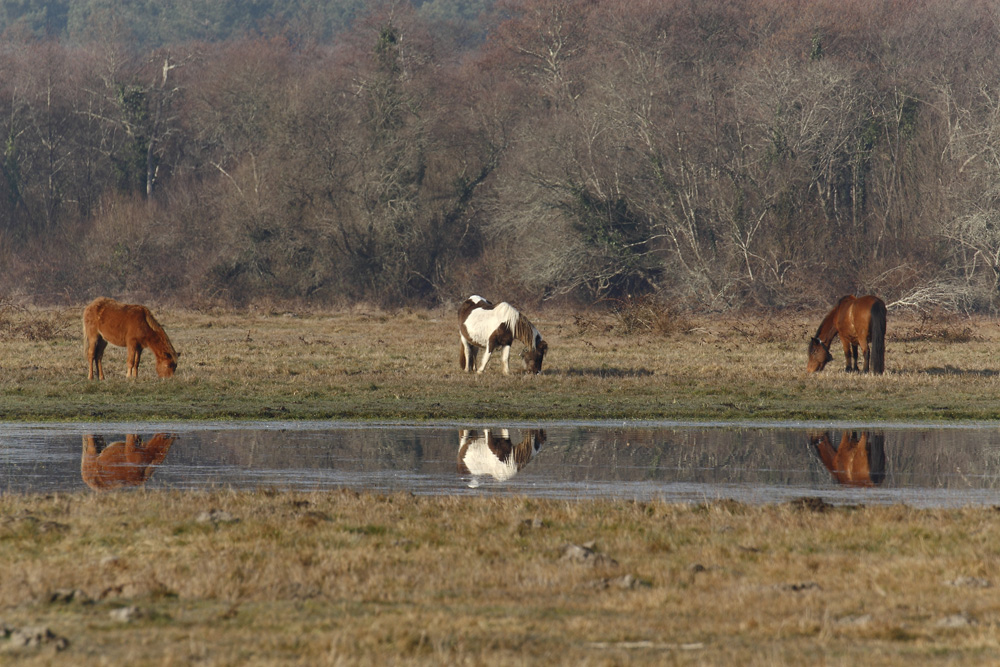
857,461
130,326
483,326
860,322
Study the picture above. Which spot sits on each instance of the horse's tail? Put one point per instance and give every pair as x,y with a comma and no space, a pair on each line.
876,333
876,457
91,320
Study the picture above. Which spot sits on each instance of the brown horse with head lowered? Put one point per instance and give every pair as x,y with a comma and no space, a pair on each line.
130,326
860,322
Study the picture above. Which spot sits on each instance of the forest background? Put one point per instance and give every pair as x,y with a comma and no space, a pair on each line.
706,155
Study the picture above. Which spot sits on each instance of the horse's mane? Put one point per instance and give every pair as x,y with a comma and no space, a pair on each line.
525,331
164,340
827,322
520,326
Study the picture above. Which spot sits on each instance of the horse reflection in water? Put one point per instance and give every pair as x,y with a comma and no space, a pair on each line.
122,464
491,452
857,461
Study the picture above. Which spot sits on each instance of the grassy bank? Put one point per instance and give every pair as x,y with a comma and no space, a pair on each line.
341,578
368,365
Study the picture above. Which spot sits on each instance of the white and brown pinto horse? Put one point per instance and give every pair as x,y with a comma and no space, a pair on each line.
494,454
486,327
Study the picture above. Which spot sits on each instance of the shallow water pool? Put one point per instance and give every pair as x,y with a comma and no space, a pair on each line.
919,465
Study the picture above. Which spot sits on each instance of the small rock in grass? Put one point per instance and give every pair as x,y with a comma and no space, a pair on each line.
585,555
216,517
969,582
956,621
33,637
127,614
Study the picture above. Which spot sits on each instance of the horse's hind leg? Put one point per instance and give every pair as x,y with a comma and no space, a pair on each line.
95,355
866,349
468,355
849,354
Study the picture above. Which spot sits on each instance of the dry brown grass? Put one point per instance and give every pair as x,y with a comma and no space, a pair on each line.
343,578
368,364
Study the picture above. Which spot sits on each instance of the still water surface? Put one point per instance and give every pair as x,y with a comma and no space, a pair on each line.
923,466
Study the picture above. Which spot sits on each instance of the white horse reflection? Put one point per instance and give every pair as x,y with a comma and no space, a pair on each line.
492,453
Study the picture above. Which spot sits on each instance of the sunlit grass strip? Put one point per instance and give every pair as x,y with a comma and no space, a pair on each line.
371,365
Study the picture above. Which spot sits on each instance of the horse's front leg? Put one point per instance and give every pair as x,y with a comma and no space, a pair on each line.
506,359
134,354
486,358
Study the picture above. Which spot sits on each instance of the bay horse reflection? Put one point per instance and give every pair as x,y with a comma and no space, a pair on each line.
492,453
122,464
856,461
130,326
483,326
860,322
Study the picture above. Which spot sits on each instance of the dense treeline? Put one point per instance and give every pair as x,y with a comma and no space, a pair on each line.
156,23
716,154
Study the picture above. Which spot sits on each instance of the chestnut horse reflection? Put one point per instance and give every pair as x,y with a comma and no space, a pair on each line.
860,322
122,464
857,461
493,453
130,326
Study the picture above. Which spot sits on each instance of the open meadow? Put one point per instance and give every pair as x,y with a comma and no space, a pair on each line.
362,364
267,577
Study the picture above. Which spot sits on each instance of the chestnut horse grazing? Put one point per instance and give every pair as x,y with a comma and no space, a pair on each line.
130,326
485,326
860,322
122,464
857,461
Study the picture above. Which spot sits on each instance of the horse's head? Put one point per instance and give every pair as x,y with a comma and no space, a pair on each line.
532,358
167,364
819,356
